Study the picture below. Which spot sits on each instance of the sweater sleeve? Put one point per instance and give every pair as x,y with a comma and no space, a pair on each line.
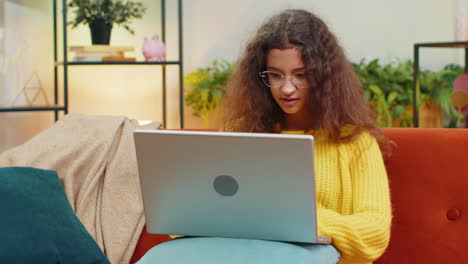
362,236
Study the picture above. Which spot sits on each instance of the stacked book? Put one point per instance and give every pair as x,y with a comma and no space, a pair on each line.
101,53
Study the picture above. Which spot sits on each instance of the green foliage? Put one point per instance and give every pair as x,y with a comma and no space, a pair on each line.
207,88
437,86
120,12
389,89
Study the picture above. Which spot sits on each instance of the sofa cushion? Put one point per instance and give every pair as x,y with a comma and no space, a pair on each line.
215,250
38,224
428,179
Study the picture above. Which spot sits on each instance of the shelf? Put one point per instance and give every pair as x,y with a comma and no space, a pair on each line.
32,108
72,63
460,44
61,61
416,82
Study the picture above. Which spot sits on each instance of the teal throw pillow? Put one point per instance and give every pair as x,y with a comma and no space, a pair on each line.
216,250
38,224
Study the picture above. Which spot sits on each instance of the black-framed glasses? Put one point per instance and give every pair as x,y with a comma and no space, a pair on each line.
276,79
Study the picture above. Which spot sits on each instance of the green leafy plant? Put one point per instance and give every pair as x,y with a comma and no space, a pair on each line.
436,87
207,88
389,90
387,87
119,12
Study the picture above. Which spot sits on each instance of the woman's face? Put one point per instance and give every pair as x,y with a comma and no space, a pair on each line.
292,96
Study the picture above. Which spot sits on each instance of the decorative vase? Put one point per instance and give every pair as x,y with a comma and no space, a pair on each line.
459,96
100,32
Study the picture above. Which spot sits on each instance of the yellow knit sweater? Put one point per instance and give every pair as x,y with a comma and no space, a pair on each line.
353,197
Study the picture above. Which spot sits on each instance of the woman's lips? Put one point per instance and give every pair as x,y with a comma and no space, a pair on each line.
288,101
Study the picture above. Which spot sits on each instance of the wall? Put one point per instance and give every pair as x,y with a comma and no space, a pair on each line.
212,30
24,50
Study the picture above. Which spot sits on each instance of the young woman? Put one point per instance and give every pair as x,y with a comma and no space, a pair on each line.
294,78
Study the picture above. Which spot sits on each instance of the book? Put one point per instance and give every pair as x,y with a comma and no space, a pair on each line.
101,48
98,54
87,59
114,58
103,59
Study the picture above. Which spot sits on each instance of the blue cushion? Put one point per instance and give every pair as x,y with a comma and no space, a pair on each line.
215,250
38,224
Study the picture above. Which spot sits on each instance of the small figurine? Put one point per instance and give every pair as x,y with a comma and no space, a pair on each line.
154,49
459,96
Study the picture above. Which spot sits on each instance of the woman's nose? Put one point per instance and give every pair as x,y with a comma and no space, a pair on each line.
288,87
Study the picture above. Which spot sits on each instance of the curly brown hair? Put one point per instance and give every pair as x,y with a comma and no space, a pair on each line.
336,95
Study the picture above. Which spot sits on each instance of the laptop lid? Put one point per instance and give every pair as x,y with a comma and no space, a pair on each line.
241,185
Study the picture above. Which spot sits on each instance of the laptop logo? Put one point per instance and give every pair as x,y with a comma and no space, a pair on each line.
225,185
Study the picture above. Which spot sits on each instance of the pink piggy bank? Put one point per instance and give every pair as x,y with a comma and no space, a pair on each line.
154,49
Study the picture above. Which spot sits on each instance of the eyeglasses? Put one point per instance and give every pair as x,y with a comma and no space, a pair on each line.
276,80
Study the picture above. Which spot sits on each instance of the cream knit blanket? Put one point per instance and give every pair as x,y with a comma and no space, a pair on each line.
95,159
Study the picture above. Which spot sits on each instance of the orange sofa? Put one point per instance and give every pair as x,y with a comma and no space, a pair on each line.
428,174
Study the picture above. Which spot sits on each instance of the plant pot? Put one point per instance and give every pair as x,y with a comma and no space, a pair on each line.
100,32
430,115
212,121
406,119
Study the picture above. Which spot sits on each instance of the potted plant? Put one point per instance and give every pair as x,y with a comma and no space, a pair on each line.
207,88
436,91
101,15
389,90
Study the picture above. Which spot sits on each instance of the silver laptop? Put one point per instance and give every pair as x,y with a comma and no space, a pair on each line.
241,185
